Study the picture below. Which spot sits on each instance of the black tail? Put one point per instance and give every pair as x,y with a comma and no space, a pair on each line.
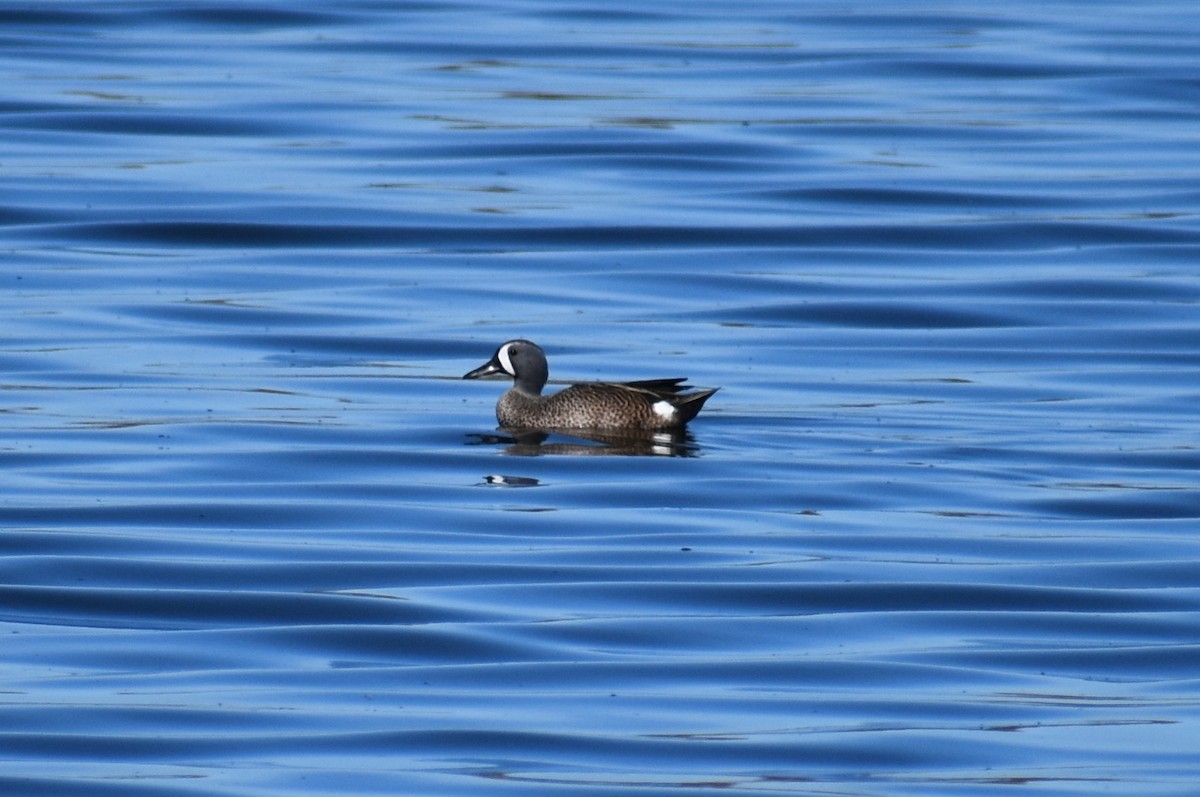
689,405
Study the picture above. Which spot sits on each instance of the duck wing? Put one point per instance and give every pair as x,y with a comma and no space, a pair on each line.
665,387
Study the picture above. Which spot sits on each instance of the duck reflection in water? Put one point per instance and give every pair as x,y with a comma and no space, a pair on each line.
627,418
589,442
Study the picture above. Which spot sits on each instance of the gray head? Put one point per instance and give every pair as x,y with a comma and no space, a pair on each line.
523,360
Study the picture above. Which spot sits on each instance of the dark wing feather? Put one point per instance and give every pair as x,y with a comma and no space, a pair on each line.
666,386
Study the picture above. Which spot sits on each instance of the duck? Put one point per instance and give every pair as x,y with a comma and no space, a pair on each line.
647,405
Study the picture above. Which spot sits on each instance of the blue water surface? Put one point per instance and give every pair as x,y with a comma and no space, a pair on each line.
936,534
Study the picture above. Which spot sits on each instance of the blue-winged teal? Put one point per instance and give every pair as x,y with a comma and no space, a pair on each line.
652,404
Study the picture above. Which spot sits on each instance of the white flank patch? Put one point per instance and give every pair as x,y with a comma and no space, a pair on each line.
663,409
505,360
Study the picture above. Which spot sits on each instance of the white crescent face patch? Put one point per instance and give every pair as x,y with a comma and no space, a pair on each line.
506,360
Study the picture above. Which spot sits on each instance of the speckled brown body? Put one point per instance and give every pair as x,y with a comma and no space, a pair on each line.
648,405
603,405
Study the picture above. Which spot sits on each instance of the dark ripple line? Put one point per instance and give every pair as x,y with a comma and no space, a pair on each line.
787,598
29,15
261,514
989,236
260,16
128,565
437,743
169,609
66,784
159,123
1122,663
883,315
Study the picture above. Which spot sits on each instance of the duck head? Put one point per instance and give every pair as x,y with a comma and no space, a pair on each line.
523,360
